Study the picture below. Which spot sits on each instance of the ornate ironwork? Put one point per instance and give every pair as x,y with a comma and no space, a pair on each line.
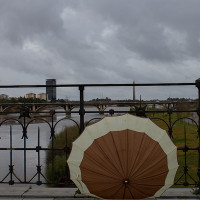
26,118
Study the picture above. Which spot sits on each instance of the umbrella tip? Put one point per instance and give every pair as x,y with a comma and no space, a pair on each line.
126,181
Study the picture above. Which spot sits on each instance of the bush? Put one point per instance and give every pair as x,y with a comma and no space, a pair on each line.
59,157
59,169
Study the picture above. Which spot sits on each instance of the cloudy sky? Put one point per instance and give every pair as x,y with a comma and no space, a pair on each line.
100,41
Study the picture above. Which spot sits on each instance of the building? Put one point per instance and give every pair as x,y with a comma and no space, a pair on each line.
42,96
30,95
3,96
51,91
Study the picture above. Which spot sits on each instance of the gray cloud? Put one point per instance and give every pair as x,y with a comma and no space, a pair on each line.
25,19
103,41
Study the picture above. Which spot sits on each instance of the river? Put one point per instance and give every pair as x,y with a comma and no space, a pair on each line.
32,142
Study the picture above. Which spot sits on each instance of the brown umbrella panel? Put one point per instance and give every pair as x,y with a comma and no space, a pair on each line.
124,165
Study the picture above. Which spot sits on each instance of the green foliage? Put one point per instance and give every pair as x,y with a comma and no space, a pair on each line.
22,100
61,171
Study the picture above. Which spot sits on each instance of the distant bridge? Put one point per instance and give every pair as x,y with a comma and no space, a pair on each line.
100,105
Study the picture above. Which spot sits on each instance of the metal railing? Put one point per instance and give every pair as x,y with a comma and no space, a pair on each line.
23,118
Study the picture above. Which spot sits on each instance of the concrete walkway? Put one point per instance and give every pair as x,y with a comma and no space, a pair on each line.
28,193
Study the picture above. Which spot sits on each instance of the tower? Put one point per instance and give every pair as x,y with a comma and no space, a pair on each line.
51,91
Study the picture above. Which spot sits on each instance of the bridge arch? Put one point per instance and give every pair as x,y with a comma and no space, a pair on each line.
48,107
13,108
74,106
66,108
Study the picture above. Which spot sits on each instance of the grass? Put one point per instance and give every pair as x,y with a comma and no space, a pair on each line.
179,129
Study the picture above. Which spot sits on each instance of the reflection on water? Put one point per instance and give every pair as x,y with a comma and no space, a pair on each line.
32,142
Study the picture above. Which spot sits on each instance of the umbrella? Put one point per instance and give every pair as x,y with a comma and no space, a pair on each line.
123,157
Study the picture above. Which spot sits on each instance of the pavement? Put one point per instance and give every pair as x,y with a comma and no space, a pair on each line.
36,193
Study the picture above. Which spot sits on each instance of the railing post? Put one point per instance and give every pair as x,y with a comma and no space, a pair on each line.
198,113
11,182
82,110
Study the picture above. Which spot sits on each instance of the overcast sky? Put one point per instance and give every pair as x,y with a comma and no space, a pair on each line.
100,41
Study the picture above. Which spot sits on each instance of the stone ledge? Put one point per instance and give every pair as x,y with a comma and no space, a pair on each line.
69,193
179,193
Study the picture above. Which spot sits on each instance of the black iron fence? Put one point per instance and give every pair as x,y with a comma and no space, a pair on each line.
23,115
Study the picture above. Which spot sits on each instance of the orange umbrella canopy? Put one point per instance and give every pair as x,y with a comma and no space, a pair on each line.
123,163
